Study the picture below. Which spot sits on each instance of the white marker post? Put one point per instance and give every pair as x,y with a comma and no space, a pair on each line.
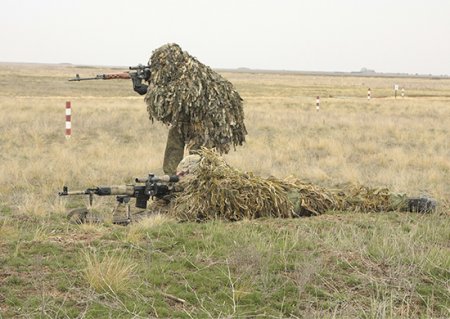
368,94
395,90
317,103
68,119
403,92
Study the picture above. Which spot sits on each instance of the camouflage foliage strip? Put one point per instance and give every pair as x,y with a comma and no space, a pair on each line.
218,191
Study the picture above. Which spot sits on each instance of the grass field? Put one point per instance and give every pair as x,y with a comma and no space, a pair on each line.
338,265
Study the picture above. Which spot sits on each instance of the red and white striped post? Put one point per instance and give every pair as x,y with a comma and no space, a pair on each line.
68,119
368,94
317,103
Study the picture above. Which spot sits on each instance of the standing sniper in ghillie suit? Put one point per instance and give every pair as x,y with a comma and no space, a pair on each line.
201,107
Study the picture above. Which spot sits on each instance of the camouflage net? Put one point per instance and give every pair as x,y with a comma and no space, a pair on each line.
198,101
218,191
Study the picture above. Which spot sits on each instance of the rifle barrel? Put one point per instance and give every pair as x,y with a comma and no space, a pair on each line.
123,75
66,192
102,190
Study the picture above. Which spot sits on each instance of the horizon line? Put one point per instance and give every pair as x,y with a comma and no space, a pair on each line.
362,72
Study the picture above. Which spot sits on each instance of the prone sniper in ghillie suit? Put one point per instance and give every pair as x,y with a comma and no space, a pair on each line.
207,188
213,189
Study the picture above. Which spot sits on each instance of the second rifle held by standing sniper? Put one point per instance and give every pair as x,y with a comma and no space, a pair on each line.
137,74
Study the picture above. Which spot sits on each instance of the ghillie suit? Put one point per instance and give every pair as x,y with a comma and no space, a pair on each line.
202,108
215,190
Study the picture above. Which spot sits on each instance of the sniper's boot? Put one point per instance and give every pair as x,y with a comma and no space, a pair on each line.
420,204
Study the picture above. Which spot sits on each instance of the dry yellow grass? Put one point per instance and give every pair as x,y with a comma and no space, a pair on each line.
138,231
336,265
110,273
399,143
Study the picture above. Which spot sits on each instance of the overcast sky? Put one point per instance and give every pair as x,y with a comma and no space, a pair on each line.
407,36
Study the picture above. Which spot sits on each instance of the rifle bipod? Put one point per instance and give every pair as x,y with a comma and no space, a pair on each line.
120,220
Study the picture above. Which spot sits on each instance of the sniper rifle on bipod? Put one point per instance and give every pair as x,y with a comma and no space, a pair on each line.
144,189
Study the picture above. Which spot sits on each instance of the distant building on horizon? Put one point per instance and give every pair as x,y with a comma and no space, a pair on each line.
366,71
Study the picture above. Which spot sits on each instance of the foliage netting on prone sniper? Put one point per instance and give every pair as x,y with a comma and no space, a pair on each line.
191,96
218,191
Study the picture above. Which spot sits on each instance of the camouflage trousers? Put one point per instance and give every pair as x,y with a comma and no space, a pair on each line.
175,148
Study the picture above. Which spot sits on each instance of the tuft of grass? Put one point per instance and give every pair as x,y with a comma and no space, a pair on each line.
92,228
9,231
109,273
138,231
40,233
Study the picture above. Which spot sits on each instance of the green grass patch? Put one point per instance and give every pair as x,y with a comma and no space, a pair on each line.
324,266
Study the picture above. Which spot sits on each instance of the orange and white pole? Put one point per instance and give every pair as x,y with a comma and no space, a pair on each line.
68,119
368,94
317,103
